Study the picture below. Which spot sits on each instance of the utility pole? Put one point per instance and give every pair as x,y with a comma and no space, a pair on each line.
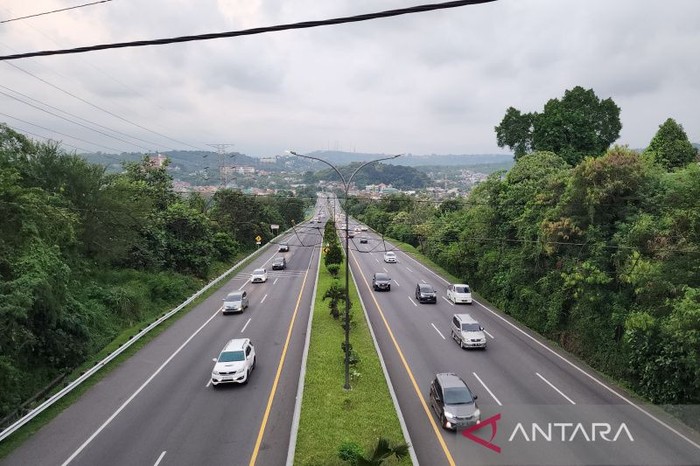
221,150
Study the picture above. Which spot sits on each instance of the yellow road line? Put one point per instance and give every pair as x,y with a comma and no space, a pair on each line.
271,398
438,434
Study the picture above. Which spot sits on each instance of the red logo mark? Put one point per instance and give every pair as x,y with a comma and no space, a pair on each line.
487,443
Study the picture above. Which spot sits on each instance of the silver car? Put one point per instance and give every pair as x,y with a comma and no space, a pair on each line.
453,402
235,301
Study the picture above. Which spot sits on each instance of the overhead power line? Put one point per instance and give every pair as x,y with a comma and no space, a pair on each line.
54,11
253,31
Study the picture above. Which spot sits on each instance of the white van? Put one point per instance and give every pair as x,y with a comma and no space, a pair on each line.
467,332
459,293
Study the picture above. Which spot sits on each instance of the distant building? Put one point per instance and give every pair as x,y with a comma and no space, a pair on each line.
157,160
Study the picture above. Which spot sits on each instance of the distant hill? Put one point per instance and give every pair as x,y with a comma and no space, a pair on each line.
193,161
411,160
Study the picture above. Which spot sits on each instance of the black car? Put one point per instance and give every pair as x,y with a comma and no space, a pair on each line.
381,282
453,402
426,293
363,240
279,263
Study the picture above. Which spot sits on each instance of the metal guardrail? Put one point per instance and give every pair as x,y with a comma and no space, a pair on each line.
89,373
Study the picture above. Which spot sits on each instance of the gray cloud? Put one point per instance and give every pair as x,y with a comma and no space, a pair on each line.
426,83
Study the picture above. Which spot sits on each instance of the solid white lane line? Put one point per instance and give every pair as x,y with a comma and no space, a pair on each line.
275,280
438,331
160,458
263,300
487,389
412,302
487,333
244,284
246,324
131,398
555,388
448,301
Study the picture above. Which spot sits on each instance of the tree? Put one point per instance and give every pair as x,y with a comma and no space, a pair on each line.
671,147
515,131
335,293
578,125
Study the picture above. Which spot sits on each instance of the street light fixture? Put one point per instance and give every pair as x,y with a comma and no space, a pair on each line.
346,185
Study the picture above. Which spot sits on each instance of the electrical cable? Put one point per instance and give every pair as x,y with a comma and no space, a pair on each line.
58,132
54,11
70,121
253,31
85,120
119,117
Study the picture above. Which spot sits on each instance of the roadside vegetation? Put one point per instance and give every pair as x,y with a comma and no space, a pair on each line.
86,255
598,251
338,426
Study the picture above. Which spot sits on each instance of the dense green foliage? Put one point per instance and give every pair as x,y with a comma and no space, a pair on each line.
603,257
671,147
577,126
85,254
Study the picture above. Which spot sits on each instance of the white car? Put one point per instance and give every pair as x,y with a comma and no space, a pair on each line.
235,362
390,257
259,276
459,293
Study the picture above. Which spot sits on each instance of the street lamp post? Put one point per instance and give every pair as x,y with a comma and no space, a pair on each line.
346,186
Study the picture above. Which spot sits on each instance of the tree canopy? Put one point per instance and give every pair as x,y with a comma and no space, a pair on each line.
670,146
578,125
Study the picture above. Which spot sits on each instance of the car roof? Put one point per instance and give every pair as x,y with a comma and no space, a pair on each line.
391,253
278,259
381,275
236,344
258,270
466,318
234,294
450,379
424,286
460,284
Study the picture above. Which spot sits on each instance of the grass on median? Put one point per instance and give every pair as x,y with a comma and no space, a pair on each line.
330,415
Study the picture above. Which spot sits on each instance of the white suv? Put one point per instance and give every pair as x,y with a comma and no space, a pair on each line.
390,257
235,363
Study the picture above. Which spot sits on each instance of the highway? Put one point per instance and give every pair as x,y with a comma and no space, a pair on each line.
158,407
538,404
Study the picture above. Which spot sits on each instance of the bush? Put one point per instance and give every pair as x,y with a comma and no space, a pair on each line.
350,452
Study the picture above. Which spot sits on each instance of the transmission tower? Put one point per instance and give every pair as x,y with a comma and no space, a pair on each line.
221,150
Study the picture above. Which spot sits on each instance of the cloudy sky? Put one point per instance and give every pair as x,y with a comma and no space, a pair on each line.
428,83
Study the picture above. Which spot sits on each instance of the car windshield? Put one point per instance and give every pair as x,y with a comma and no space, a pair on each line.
462,289
426,289
231,356
471,327
233,297
389,254
458,396
381,276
